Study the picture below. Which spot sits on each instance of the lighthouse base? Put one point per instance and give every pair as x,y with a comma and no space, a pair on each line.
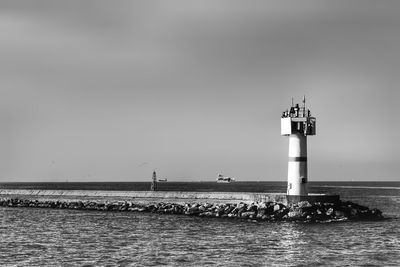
313,198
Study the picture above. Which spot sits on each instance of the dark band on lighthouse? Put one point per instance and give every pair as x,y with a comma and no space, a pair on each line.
298,159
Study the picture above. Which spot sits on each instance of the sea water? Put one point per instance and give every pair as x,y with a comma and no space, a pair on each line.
47,237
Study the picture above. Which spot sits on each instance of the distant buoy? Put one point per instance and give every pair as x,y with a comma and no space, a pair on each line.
154,182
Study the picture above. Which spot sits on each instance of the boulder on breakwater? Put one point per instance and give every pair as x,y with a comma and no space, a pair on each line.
258,211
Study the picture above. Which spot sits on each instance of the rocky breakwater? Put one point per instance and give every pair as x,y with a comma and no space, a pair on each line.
264,211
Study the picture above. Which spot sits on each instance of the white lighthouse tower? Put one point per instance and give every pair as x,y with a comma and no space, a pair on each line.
297,123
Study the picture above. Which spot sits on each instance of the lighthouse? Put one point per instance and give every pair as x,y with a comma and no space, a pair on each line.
297,123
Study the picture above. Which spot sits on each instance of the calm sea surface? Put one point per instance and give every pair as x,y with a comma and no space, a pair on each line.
45,237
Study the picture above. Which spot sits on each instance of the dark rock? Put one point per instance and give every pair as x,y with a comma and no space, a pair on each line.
248,214
281,213
193,211
376,213
251,207
228,209
340,214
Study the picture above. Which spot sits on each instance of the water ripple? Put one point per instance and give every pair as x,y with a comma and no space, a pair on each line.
45,237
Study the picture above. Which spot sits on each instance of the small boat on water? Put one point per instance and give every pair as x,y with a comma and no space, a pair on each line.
224,179
162,180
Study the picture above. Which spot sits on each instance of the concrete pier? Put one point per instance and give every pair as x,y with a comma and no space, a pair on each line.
152,197
146,196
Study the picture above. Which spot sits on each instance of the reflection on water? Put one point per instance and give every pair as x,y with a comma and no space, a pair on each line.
68,237
44,237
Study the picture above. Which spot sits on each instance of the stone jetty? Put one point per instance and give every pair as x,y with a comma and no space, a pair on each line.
256,211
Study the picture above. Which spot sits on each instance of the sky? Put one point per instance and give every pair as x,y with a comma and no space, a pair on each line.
112,90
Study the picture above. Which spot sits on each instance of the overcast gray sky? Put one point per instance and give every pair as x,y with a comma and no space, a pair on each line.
110,90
